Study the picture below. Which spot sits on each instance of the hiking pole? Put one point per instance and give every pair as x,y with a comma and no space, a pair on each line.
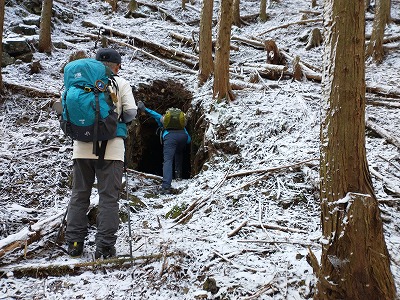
129,213
59,233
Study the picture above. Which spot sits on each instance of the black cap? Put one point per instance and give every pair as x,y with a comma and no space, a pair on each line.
108,54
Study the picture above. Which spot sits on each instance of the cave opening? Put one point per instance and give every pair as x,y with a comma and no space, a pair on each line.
144,147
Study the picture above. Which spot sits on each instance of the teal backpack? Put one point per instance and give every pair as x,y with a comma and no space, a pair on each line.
88,112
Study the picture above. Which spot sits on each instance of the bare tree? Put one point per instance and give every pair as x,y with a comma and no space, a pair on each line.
354,263
206,64
2,8
382,18
222,88
45,27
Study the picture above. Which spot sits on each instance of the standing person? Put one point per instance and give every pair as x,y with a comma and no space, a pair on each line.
109,173
174,143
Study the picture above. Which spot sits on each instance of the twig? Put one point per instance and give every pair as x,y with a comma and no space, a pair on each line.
263,176
236,230
198,203
240,267
389,161
261,291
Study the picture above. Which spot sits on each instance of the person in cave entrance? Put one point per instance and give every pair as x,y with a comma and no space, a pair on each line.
174,139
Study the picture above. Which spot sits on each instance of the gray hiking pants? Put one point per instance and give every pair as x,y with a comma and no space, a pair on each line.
109,181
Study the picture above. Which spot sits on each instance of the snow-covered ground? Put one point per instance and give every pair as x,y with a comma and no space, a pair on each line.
268,191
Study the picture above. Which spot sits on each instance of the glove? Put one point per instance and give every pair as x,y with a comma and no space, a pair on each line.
140,106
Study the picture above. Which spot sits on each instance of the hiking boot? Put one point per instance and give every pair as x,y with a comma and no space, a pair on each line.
75,249
166,191
105,252
178,175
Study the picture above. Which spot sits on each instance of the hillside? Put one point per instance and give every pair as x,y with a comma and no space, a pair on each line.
251,188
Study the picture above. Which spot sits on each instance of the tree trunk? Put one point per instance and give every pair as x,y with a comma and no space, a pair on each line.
2,5
45,27
313,3
382,17
206,64
355,262
222,88
263,11
236,13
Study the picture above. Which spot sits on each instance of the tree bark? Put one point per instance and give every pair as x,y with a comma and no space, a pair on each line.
2,5
45,27
222,88
206,64
354,263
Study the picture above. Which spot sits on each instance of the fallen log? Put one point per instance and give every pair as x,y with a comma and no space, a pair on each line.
70,268
385,91
189,41
29,235
139,50
187,58
29,91
157,8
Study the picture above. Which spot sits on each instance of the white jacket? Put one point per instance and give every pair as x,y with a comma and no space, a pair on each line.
115,149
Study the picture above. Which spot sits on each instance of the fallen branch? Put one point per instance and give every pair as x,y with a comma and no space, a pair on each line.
382,132
236,230
302,22
189,41
277,227
145,175
198,203
244,173
240,267
393,188
261,291
277,242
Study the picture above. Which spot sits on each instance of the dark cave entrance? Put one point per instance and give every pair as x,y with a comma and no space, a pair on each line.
144,149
